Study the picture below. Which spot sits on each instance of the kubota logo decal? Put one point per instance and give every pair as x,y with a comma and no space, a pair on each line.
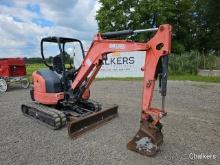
117,46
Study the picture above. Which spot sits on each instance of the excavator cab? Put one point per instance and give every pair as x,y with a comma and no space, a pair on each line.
56,80
61,65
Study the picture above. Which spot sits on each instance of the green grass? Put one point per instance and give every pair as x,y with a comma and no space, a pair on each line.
33,67
195,78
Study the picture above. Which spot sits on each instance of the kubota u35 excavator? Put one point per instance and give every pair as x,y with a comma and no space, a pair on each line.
61,95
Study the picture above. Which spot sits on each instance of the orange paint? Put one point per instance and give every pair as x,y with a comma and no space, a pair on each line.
101,47
40,93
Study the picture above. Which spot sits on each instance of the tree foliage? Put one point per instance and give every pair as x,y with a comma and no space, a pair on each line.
196,23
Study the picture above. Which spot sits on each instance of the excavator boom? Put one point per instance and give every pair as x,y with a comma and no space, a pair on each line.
157,49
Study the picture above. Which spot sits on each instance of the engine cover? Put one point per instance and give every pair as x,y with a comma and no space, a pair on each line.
47,87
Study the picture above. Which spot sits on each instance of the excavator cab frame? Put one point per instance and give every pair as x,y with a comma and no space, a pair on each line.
60,65
61,41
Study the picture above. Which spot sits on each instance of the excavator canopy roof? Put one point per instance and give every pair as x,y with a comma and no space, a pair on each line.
61,39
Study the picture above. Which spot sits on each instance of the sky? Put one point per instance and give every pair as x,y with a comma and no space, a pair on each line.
24,22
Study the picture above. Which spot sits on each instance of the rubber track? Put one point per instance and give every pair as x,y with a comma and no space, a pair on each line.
58,117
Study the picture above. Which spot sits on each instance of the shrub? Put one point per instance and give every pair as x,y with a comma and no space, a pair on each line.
190,62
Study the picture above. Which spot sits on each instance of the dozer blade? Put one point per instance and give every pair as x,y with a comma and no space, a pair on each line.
78,126
147,140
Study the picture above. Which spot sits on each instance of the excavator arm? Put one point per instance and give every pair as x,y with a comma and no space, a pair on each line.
157,49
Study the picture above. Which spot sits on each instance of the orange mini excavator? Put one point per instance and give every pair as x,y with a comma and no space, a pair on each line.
61,95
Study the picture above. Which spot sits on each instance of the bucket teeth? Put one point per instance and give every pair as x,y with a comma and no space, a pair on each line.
147,140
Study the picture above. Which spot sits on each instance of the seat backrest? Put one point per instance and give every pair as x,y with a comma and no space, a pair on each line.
57,64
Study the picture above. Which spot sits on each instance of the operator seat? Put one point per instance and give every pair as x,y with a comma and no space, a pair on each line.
57,64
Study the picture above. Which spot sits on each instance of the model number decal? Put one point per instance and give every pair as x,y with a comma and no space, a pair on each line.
117,46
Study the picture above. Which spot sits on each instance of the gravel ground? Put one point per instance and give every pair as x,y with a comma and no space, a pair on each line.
191,127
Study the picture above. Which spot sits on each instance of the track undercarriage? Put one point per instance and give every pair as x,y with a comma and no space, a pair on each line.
79,118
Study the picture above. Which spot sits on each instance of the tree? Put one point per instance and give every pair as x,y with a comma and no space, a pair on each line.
213,21
193,21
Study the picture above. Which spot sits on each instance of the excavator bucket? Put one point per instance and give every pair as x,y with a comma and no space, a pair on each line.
78,126
147,140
